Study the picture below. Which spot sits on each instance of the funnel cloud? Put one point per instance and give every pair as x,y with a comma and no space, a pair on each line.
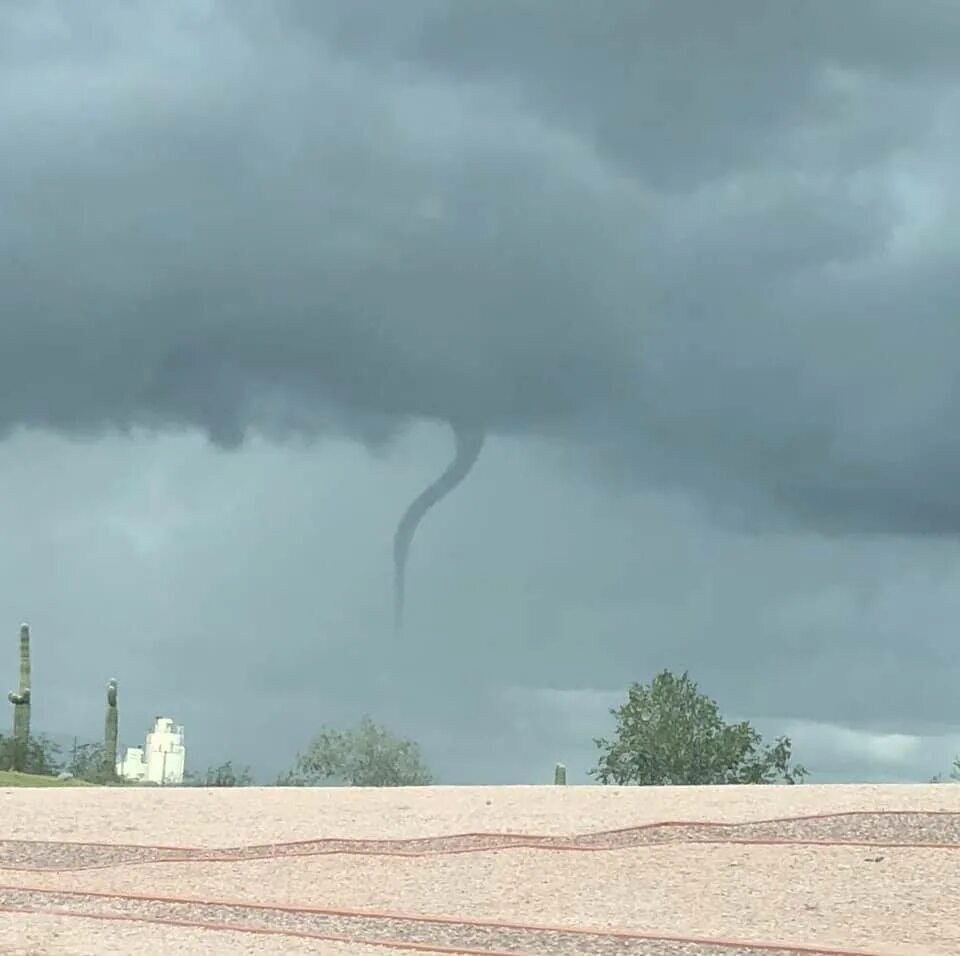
691,265
469,444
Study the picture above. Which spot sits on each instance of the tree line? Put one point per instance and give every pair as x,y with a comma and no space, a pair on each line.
666,733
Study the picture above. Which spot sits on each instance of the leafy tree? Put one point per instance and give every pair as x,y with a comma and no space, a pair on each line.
366,756
669,733
42,755
88,762
226,775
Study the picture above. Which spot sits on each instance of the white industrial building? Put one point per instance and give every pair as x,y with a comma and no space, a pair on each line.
161,760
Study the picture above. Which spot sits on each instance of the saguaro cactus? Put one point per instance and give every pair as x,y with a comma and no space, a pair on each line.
560,775
110,731
21,704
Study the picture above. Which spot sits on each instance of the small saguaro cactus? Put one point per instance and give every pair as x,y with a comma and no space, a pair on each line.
110,731
20,699
560,775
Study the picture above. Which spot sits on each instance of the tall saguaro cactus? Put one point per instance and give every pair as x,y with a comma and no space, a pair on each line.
560,775
20,699
110,731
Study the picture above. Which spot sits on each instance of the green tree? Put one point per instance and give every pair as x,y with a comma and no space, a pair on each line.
90,762
42,755
87,762
366,756
668,733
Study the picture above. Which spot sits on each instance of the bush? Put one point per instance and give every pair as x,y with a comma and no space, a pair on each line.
367,756
42,755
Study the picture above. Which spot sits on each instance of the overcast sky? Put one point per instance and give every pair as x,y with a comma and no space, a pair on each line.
690,265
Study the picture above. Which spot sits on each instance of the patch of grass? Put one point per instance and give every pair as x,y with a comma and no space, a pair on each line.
10,778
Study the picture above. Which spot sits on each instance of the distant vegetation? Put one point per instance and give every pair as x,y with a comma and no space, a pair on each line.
366,756
952,777
40,756
226,775
667,733
89,762
87,765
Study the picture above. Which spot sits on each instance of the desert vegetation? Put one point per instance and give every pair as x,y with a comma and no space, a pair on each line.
667,732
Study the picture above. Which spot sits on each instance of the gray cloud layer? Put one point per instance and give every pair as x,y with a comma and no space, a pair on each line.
714,240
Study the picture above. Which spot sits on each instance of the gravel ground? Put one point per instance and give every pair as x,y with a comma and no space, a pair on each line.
39,935
679,880
890,829
226,817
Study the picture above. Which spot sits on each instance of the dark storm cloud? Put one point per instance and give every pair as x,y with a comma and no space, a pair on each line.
711,239
681,92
